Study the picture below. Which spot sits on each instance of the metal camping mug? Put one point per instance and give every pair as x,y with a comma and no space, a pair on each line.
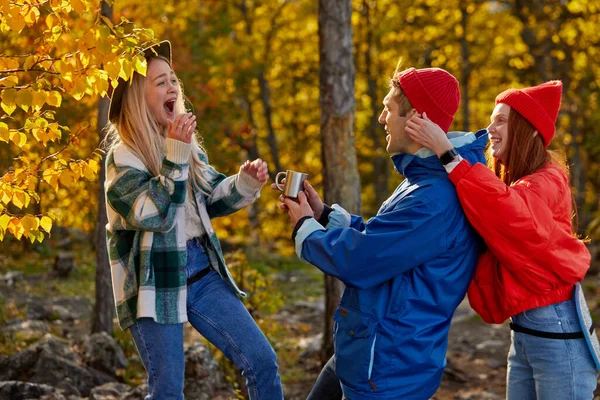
294,183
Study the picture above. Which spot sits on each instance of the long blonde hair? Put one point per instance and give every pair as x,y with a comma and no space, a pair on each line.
137,128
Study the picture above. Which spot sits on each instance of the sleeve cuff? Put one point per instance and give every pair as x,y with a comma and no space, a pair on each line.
307,227
247,185
324,218
339,218
298,225
178,151
459,171
451,165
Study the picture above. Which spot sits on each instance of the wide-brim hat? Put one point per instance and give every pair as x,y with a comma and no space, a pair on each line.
116,95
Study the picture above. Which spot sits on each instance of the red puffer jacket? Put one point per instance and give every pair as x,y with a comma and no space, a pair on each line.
532,259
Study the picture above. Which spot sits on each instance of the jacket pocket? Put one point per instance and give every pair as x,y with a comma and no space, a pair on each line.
354,341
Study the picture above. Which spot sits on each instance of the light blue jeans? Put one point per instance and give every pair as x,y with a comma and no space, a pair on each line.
218,315
549,369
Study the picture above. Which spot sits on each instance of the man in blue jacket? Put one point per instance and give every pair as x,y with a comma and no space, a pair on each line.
406,269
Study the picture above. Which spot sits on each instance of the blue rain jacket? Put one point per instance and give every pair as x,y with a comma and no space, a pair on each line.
405,270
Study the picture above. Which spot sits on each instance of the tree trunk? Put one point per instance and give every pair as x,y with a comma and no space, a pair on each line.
381,170
466,68
341,179
265,96
253,154
104,307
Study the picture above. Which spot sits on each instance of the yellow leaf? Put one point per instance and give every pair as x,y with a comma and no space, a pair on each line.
46,223
140,65
24,99
42,123
8,100
53,132
126,69
93,165
9,81
8,109
16,23
101,87
38,134
29,61
85,59
4,135
67,178
113,69
54,99
26,199
78,6
50,176
106,20
76,169
50,21
35,235
18,138
4,220
64,68
78,90
18,199
104,45
32,16
29,222
12,64
39,98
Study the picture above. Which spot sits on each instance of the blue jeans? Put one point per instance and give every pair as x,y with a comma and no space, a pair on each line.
218,315
549,369
327,386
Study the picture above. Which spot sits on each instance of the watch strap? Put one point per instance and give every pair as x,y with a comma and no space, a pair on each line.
448,156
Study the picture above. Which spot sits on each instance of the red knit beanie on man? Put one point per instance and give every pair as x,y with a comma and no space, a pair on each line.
538,104
433,91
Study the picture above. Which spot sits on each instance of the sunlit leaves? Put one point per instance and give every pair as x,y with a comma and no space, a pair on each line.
64,54
8,103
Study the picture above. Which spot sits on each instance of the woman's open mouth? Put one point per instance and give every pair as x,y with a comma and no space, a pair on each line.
169,106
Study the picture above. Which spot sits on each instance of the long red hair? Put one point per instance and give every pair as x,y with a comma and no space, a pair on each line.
526,154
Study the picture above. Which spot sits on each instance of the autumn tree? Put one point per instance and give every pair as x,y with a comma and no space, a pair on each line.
54,52
341,179
104,306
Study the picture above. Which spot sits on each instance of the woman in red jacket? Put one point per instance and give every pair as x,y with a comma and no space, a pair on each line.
522,207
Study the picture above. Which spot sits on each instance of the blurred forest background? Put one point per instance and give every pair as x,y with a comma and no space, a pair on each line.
259,78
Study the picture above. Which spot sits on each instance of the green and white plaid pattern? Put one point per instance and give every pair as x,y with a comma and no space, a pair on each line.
146,233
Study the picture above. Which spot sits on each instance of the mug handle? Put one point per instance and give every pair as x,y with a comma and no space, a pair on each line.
277,180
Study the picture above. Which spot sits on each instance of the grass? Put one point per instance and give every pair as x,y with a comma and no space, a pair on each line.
38,263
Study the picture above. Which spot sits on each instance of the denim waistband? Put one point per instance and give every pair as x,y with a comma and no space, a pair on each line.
197,259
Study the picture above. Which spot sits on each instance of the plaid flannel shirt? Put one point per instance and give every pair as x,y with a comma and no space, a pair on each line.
146,230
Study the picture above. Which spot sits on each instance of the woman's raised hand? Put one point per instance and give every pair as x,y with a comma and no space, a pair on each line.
257,169
428,134
182,127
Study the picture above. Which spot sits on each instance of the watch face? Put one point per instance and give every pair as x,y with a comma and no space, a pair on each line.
448,156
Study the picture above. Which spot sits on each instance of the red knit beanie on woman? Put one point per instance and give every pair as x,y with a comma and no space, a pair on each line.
538,104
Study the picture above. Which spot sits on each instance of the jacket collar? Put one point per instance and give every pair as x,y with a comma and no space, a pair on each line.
469,145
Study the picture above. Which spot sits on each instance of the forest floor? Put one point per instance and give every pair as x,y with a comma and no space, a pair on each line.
476,353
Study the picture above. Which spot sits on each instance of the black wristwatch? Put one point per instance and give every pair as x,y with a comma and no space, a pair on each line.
448,156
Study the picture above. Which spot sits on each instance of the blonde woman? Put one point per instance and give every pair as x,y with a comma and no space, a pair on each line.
167,265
